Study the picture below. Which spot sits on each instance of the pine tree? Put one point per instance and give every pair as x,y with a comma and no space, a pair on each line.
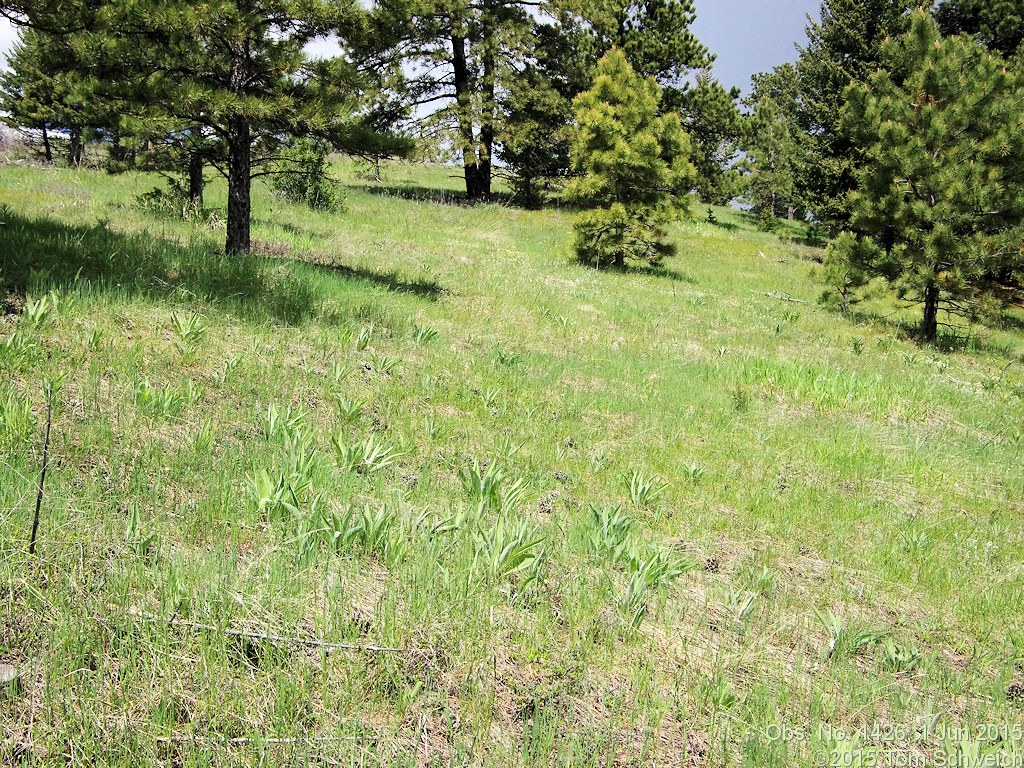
844,46
657,39
42,92
634,163
775,146
230,77
453,59
711,117
534,132
940,203
654,35
996,24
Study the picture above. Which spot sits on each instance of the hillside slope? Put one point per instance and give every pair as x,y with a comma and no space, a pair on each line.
555,516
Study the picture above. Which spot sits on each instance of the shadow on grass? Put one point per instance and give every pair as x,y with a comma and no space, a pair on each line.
390,281
966,339
41,254
429,194
663,272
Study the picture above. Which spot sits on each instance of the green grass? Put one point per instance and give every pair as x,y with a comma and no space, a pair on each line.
606,519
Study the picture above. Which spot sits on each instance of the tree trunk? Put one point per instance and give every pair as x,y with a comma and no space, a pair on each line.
463,98
195,181
117,151
239,185
75,147
930,322
489,107
47,152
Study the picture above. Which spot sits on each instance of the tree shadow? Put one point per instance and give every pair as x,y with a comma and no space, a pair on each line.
391,281
950,339
431,194
663,272
285,226
42,254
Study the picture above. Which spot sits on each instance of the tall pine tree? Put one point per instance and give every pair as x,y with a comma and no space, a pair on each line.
232,74
844,46
940,203
775,146
450,62
41,91
634,165
996,24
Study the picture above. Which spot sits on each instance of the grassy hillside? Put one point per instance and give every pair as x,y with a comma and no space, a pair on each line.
539,515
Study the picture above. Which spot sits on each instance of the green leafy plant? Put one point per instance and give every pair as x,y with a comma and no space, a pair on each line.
340,372
301,175
741,604
435,431
841,641
281,425
364,336
694,472
275,497
385,365
610,533
655,572
159,401
350,409
899,658
507,358
221,376
644,490
490,397
377,531
41,311
363,457
506,549
422,335
190,330
93,339
717,694
490,488
15,420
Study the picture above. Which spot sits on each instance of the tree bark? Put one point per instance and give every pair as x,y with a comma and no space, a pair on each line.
195,181
487,123
239,185
930,322
460,77
47,152
75,147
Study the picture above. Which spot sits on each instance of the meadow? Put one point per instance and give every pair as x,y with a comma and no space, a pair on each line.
409,487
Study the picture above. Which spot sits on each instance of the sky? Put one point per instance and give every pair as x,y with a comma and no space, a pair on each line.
749,36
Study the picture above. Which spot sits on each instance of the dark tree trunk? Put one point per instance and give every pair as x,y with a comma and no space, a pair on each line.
195,181
930,322
239,185
117,153
75,147
460,78
47,152
489,107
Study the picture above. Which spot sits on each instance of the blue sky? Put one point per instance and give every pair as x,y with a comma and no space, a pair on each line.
749,36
